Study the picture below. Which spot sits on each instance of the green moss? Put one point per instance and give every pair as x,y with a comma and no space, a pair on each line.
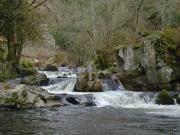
167,46
13,100
137,46
93,76
51,67
120,47
86,76
164,98
6,86
26,63
178,100
112,69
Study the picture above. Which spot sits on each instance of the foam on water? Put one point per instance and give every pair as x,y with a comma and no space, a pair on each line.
123,99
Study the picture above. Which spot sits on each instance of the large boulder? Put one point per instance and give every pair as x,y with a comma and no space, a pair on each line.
28,97
88,86
164,98
88,82
37,79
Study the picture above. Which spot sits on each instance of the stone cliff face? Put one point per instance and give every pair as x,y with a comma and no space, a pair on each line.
141,69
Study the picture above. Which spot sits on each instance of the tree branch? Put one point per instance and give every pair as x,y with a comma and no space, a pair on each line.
137,13
51,11
39,4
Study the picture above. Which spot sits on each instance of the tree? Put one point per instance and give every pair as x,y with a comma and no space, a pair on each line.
19,22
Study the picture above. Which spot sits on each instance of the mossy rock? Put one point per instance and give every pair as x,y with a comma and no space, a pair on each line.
26,71
27,97
26,67
96,87
37,79
88,86
178,99
50,67
164,98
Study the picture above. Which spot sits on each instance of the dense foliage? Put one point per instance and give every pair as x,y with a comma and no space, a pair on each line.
89,26
19,22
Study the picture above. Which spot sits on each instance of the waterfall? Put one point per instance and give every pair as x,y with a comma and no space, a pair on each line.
63,85
124,98
63,80
114,94
111,85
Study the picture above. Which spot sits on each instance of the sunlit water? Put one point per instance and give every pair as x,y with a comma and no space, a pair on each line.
117,113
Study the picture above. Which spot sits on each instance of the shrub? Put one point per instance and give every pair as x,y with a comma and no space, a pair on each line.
105,58
26,63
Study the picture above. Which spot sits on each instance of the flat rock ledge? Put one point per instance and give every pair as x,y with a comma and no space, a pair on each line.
26,97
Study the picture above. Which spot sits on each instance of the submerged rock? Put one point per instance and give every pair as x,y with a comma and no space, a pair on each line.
37,79
28,97
164,98
82,100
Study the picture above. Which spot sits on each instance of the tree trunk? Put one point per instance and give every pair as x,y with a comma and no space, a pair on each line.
137,15
14,51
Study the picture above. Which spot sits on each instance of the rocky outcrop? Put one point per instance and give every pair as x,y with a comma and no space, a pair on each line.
37,79
88,81
140,68
24,96
28,97
84,85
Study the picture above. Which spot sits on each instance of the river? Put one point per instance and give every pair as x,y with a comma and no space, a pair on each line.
117,113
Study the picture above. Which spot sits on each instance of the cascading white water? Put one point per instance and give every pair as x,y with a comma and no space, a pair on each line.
65,85
57,84
111,85
113,95
124,98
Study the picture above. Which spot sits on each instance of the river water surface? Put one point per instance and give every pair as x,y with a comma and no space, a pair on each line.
117,113
87,121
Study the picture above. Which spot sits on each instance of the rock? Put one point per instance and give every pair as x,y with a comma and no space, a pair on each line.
37,79
26,71
164,98
50,67
26,67
83,85
28,97
82,100
141,68
88,82
178,99
104,75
